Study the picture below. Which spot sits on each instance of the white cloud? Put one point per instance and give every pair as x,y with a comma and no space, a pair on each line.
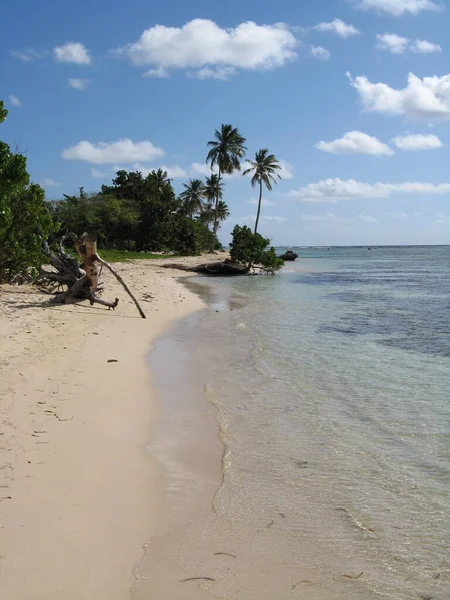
48,182
72,52
79,84
398,215
202,169
14,100
422,98
339,27
273,219
286,171
333,190
264,202
397,8
442,219
417,142
125,151
331,217
319,52
98,174
250,219
424,47
158,73
355,142
396,44
201,44
222,73
28,54
173,172
205,170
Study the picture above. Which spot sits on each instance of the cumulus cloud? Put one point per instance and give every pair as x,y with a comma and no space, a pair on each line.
319,52
355,142
204,169
334,190
338,26
72,52
397,8
49,182
396,44
417,142
79,84
14,101
173,172
121,151
424,47
427,98
202,44
286,171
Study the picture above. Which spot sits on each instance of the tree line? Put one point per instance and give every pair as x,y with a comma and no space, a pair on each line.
135,212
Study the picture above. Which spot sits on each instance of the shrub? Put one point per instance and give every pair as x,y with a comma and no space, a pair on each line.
250,249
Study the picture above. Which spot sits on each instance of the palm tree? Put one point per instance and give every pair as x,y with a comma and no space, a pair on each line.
264,170
223,212
160,179
208,213
192,196
226,152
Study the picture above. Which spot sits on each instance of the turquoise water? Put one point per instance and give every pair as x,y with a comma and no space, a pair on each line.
332,382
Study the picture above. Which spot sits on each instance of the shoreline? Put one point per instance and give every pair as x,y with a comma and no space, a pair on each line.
80,495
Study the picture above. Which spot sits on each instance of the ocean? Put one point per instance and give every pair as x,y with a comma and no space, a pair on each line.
331,382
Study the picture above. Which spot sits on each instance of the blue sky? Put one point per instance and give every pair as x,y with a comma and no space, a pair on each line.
352,95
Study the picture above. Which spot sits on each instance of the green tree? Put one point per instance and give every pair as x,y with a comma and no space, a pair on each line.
24,218
250,249
154,198
192,197
264,171
113,219
226,152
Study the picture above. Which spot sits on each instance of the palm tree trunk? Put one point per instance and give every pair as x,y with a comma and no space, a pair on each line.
259,206
216,211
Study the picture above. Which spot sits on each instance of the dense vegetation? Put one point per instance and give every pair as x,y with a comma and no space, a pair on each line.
24,218
137,213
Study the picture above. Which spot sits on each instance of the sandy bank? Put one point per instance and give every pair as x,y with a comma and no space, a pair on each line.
79,495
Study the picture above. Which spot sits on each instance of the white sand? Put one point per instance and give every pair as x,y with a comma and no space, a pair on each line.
79,494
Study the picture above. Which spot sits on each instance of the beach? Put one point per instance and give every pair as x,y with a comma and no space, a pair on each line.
257,438
79,493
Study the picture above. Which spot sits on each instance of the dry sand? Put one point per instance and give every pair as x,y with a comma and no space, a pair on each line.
79,494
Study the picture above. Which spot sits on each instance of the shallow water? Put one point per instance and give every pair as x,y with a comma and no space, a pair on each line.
331,383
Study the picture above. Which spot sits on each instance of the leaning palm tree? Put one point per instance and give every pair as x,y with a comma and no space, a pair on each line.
263,170
192,196
226,152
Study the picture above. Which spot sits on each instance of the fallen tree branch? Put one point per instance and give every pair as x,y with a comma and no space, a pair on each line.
82,283
216,268
122,282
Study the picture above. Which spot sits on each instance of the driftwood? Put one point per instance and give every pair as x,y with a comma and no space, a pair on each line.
216,268
82,282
